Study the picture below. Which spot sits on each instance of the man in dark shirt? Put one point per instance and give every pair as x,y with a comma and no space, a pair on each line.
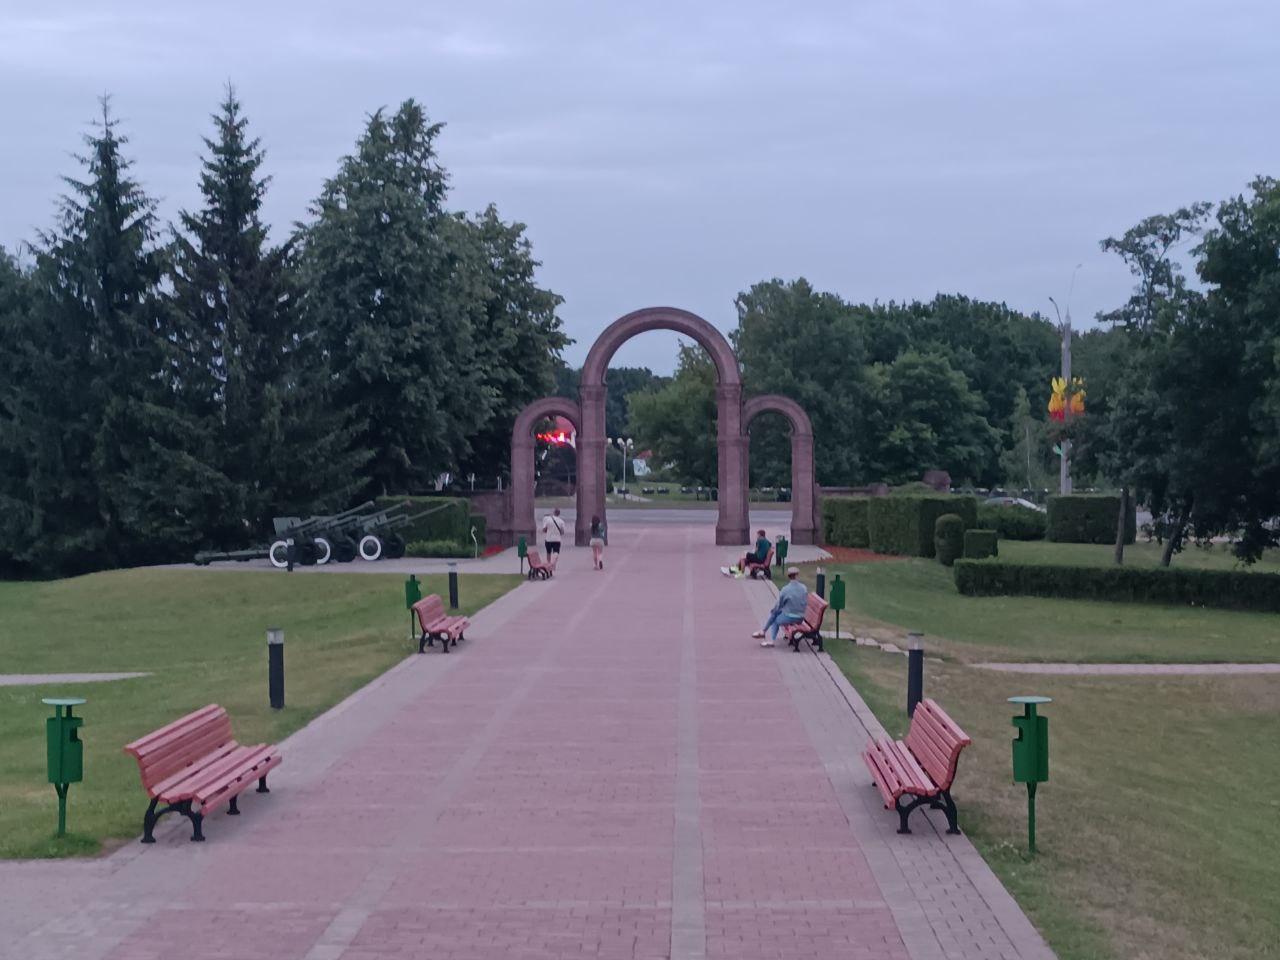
763,546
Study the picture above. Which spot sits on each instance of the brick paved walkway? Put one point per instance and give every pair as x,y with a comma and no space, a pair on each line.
608,768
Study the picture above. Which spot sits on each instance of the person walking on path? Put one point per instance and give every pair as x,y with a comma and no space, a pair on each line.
597,543
789,608
552,533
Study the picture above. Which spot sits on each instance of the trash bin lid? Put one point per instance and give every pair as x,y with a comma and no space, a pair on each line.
63,701
1031,699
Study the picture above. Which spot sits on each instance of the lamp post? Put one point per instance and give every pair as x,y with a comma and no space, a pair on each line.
624,444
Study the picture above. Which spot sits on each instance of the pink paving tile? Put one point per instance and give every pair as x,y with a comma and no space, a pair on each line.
259,934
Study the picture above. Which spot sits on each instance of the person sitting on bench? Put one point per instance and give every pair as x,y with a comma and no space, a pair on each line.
759,555
789,608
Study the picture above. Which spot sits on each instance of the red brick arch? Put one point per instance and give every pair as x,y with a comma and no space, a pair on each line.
523,521
804,522
731,525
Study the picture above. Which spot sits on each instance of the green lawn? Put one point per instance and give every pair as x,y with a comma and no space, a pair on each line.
1159,828
893,596
1216,556
202,635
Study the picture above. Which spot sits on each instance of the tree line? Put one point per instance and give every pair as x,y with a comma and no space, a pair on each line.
1182,382
166,388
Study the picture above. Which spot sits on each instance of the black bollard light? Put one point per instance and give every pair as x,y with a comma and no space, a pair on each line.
821,583
453,585
275,667
915,671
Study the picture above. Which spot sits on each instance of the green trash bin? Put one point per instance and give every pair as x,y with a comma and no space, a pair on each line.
1031,756
65,751
780,551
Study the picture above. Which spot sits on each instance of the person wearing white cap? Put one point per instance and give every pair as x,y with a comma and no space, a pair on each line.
789,608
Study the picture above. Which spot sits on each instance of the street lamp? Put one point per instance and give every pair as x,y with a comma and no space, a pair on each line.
624,444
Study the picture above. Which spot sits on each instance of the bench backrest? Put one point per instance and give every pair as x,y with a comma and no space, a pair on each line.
429,609
767,561
535,558
936,741
164,752
815,608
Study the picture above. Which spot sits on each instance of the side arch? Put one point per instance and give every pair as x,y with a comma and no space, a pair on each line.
731,525
804,522
523,521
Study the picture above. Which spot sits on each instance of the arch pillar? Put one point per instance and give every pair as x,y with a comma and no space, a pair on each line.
731,463
804,521
523,474
591,462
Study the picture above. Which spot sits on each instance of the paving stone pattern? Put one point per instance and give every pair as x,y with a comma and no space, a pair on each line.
609,767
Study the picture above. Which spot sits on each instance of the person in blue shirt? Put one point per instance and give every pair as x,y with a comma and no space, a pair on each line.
763,546
792,599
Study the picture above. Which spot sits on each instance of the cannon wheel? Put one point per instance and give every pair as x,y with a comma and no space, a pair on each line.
344,549
324,551
279,554
308,553
393,546
370,547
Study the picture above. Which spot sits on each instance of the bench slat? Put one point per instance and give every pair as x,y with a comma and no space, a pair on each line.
180,752
193,719
207,771
233,786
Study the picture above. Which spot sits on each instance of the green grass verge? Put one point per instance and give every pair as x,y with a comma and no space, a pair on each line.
202,636
920,594
1215,556
1158,829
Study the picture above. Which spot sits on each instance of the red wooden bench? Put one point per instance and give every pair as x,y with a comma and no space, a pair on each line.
193,765
923,766
810,628
438,625
764,569
539,569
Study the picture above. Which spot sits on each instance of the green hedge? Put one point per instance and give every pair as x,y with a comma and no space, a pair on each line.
844,522
1013,523
948,538
439,548
453,523
904,524
980,544
1232,589
1088,518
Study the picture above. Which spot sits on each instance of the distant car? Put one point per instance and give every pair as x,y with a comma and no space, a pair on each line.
646,490
685,490
1012,502
664,489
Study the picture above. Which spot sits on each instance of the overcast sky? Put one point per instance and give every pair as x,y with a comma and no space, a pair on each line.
675,153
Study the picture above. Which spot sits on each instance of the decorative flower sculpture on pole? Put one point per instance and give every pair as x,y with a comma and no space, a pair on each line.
1064,402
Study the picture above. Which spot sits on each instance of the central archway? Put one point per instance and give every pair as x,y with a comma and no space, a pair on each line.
731,525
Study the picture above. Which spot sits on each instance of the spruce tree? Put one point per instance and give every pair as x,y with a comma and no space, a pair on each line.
252,381
380,280
93,369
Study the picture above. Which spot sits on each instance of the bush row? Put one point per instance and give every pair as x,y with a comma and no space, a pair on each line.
1088,518
438,548
1013,523
1232,589
844,522
905,524
452,524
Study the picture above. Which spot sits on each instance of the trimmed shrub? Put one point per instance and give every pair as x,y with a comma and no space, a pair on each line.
904,524
453,523
1230,589
980,544
1088,518
948,538
438,548
1014,523
844,522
